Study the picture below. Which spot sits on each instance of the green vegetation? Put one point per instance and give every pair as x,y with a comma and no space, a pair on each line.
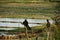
42,10
23,10
20,0
27,8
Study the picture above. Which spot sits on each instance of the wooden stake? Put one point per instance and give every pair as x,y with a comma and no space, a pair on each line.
47,35
37,36
26,33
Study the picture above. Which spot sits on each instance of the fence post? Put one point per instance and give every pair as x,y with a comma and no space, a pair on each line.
48,30
26,33
37,36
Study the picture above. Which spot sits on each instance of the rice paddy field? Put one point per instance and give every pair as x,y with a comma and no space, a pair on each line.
29,9
25,9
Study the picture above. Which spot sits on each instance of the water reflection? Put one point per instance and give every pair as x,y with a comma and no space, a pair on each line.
7,28
16,24
8,20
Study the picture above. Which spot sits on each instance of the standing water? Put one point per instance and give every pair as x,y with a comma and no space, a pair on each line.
16,22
